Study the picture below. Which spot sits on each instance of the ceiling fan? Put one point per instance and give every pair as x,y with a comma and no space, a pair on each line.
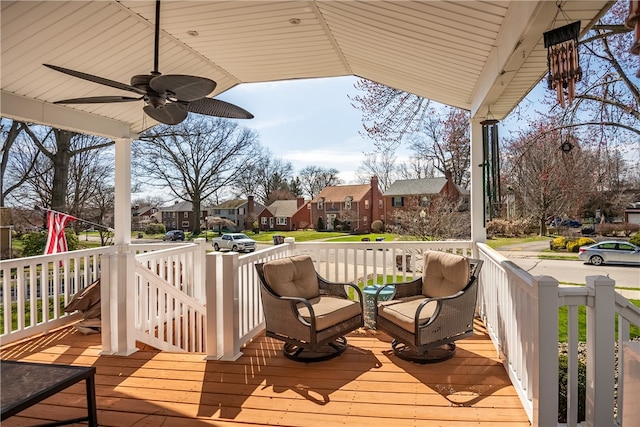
168,98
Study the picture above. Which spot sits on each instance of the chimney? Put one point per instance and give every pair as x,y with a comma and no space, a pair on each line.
250,206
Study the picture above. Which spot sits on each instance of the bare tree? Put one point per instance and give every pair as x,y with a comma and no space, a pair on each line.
17,159
442,219
267,180
195,159
59,147
314,178
546,181
381,164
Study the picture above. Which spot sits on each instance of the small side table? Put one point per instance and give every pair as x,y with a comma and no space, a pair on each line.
24,384
369,302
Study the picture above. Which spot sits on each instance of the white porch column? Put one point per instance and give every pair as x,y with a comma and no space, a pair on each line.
478,229
118,294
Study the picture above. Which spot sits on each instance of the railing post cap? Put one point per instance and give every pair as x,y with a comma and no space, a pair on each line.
600,280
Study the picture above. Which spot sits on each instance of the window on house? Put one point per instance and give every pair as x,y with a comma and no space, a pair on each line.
185,214
366,204
380,204
397,201
241,211
185,224
263,220
321,204
347,203
364,219
281,221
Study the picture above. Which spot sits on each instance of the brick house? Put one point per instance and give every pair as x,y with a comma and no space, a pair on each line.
348,207
407,194
241,212
285,215
180,216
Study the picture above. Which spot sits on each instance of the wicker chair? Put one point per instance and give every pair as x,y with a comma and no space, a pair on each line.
426,315
308,313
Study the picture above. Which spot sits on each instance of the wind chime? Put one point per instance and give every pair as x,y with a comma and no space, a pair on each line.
633,22
491,167
563,61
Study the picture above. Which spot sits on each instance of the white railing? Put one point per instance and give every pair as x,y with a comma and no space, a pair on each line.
169,296
36,289
520,312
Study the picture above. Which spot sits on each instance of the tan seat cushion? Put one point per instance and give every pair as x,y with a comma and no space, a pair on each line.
403,312
292,277
444,274
330,311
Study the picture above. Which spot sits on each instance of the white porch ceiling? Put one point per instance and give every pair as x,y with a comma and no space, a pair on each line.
468,54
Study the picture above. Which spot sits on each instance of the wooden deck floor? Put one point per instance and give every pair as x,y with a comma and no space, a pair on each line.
366,386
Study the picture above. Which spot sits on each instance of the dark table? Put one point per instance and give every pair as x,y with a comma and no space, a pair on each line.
23,384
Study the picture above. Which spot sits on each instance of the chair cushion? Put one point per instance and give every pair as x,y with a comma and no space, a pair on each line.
292,277
330,311
403,312
444,274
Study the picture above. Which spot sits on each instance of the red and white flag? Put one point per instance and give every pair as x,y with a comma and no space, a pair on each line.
56,239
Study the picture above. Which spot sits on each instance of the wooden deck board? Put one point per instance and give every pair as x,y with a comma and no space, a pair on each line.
367,385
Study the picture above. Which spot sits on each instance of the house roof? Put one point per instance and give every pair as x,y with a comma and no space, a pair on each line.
339,193
416,187
178,207
473,55
231,204
283,208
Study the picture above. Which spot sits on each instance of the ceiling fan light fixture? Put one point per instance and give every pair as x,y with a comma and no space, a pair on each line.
295,21
193,33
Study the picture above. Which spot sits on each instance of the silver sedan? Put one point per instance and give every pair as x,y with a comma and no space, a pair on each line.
610,252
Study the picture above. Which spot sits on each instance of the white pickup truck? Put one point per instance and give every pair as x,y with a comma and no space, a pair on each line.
236,242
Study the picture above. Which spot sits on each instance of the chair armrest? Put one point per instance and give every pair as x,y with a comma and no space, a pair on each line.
286,307
402,289
336,289
451,305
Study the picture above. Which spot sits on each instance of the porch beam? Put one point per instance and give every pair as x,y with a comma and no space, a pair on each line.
519,35
34,111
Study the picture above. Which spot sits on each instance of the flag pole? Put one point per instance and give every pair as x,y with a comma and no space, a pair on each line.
40,208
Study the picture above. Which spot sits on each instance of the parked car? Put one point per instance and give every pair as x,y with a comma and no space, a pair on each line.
610,252
236,242
174,235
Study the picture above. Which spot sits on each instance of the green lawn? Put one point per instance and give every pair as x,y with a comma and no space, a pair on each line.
582,322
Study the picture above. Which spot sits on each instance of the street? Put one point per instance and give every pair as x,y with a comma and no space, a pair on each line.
574,271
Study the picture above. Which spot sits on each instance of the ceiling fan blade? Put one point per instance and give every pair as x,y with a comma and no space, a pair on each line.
96,79
183,87
170,114
217,108
98,100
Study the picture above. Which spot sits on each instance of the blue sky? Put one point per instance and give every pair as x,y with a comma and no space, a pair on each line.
306,122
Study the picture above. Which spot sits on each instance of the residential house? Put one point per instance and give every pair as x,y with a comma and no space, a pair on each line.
180,216
285,215
348,207
406,194
141,216
241,212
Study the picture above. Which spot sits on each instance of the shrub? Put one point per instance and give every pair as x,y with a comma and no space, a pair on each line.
34,243
377,226
155,229
559,243
510,228
574,245
563,388
628,228
635,239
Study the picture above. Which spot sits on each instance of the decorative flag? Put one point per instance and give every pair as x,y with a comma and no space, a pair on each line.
56,239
